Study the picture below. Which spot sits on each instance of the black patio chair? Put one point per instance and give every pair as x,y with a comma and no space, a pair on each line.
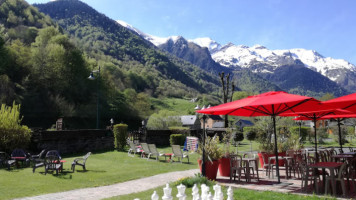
80,161
52,163
38,160
19,155
6,161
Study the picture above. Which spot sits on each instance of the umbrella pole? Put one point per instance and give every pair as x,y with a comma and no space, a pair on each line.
315,140
275,147
339,126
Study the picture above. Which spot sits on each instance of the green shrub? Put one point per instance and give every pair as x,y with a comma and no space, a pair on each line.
177,139
120,134
12,133
304,131
197,179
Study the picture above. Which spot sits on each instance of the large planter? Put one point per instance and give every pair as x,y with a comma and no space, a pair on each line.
224,167
267,155
211,169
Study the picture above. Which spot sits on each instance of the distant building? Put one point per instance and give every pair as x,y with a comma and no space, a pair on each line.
190,121
241,123
211,121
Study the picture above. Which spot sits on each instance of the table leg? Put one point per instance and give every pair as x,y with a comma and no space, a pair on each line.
286,166
333,183
247,171
256,167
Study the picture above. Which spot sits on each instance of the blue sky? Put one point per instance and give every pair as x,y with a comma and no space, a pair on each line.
327,26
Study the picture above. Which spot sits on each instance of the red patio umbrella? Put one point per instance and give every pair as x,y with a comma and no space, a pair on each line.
347,102
267,104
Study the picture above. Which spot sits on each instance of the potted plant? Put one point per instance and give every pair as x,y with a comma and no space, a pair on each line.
213,153
224,165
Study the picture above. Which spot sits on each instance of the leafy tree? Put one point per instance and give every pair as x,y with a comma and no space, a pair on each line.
163,120
12,133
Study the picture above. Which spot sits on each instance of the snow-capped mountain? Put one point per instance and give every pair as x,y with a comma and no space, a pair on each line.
153,39
259,59
232,55
212,45
236,56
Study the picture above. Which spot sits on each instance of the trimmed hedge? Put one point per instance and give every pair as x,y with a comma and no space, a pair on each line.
177,139
120,134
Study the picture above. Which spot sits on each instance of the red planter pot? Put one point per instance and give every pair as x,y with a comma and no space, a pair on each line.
211,169
224,167
267,155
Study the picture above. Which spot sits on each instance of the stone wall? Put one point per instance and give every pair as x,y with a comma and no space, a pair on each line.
73,141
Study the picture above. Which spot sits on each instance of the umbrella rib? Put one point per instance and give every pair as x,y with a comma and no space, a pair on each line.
350,105
291,107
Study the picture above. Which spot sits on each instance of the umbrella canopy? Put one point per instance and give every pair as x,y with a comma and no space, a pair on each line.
266,104
338,117
347,102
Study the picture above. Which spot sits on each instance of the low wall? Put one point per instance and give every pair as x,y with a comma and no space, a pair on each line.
161,137
73,141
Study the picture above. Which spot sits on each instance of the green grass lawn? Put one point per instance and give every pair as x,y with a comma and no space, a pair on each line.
102,169
239,194
182,106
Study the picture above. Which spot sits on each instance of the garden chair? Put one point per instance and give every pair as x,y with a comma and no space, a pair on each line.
177,152
80,161
41,155
154,151
53,153
145,150
6,161
20,155
266,165
307,175
236,167
52,163
342,174
291,162
133,149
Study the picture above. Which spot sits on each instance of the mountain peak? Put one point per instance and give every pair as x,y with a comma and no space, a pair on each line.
207,42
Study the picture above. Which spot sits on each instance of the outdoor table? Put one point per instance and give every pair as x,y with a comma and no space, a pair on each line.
332,166
168,155
285,158
341,156
349,153
247,162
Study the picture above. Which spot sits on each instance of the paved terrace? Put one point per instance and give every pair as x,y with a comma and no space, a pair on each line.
292,185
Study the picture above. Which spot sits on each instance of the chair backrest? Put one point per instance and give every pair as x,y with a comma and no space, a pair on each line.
53,153
132,145
145,147
18,153
322,156
343,171
86,157
351,149
153,148
177,151
264,157
290,153
249,155
51,161
235,161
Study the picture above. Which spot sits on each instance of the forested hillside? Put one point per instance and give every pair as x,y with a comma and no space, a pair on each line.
105,39
45,70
